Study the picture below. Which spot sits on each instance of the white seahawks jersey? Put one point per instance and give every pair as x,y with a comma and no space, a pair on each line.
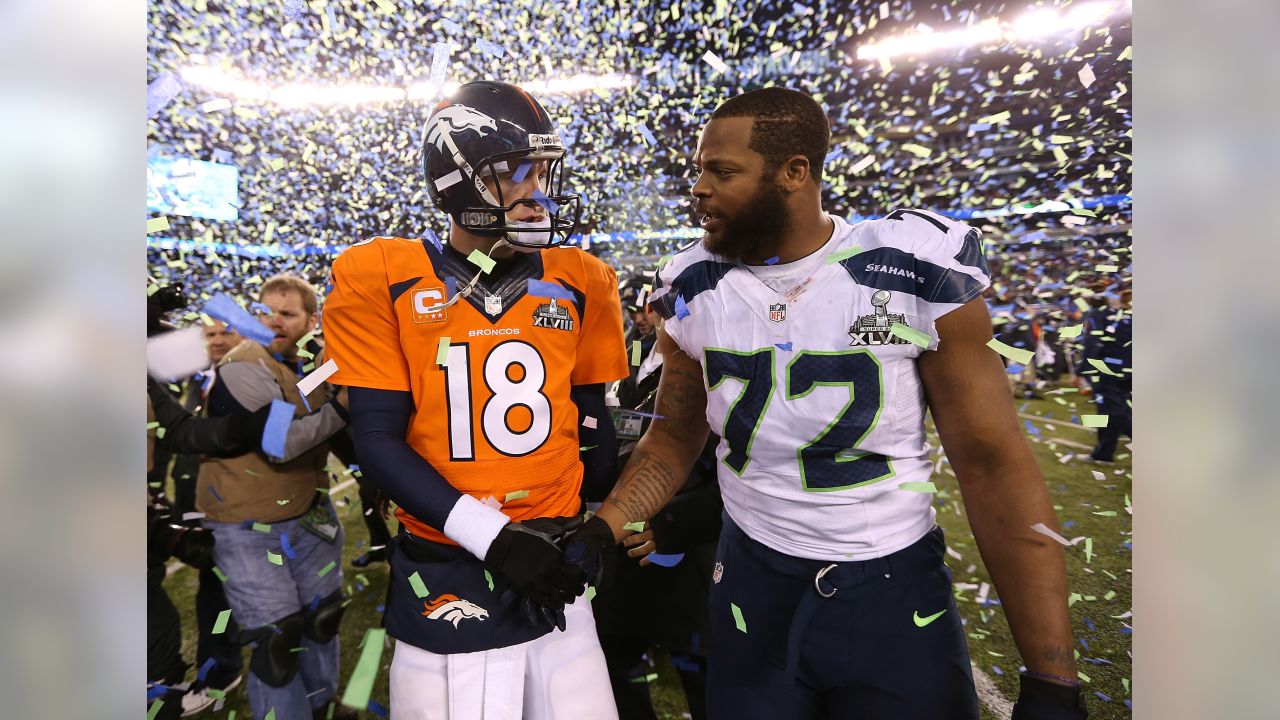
817,400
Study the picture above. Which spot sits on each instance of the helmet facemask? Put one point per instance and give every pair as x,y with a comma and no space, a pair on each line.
561,210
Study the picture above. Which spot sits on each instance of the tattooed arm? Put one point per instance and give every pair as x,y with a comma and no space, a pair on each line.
665,455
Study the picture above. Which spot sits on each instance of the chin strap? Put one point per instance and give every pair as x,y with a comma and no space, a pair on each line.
465,290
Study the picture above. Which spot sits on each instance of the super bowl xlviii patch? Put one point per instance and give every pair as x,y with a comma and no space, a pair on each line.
876,328
554,316
718,572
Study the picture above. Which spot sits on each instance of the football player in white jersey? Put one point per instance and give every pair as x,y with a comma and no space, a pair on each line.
813,347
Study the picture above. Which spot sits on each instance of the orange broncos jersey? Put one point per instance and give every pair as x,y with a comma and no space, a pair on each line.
490,374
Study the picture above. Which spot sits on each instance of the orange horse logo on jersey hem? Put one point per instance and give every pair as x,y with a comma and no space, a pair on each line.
454,609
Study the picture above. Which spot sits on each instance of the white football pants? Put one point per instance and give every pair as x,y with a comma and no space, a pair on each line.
559,676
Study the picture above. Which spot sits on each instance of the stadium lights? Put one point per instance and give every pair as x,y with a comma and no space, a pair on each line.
1033,25
217,81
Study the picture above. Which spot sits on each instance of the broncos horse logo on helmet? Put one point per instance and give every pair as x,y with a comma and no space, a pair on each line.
454,609
482,130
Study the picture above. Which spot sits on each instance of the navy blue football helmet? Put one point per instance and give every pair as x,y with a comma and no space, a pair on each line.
483,130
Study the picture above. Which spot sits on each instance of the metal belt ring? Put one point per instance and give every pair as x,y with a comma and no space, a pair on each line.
817,578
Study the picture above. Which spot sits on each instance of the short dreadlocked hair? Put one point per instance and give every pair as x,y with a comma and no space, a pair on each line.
787,123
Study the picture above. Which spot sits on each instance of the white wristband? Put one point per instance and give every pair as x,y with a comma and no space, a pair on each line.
474,525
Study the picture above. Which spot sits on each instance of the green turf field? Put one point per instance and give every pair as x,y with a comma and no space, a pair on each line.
1086,506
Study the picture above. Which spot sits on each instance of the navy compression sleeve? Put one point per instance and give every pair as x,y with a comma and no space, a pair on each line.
600,459
380,423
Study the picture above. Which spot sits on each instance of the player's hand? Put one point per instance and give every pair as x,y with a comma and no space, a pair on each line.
1044,700
641,544
526,555
584,549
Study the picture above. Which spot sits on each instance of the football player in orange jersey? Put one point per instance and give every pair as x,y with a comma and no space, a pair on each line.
477,371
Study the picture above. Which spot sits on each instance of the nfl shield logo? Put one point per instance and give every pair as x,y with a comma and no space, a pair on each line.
778,313
492,304
719,571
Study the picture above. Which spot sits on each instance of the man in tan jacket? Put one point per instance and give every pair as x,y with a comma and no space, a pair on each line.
279,541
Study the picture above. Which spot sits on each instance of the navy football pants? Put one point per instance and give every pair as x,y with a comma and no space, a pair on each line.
858,654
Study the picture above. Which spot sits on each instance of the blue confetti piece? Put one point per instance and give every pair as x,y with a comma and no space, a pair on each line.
1069,523
205,668
540,288
626,411
293,9
450,286
376,708
450,25
1014,368
545,202
997,670
214,490
1089,624
222,307
772,261
648,136
380,608
1085,643
222,156
682,310
161,92
286,547
667,561
490,48
1032,429
521,171
156,691
1128,703
783,346
832,155
434,240
1101,697
1112,361
277,428
315,602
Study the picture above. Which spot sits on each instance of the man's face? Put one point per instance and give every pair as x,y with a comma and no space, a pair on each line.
535,178
744,211
642,322
220,340
289,320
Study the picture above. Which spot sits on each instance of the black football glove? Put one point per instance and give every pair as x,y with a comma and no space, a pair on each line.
527,555
1043,700
584,549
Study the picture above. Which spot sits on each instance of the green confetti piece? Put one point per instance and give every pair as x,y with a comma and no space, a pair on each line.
1088,550
1125,683
839,255
911,335
646,679
634,526
737,617
442,351
282,502
635,353
482,261
220,625
1094,421
154,709
271,715
1018,355
917,150
1080,303
516,495
360,685
1106,513
327,568
489,579
261,527
153,425
591,593
274,559
231,715
215,693
160,433
222,577
1102,367
1108,268
1000,117
1110,594
1083,677
159,224
419,587
924,487
1067,333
